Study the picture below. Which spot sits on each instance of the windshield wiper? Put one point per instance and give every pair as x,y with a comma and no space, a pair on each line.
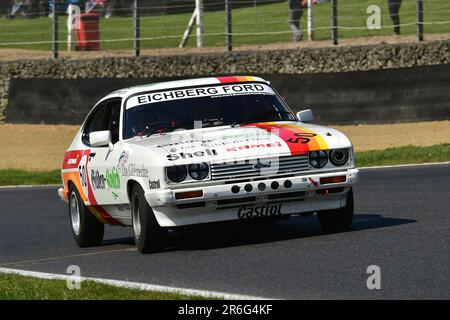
255,117
165,127
212,122
159,127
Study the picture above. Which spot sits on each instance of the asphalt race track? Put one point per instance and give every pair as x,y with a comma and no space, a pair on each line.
402,225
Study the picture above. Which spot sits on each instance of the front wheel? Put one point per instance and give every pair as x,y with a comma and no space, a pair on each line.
338,219
148,235
86,229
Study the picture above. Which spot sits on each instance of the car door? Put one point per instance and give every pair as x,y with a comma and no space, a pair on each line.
94,122
103,170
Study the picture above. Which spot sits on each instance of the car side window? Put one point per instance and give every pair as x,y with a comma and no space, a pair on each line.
113,118
95,122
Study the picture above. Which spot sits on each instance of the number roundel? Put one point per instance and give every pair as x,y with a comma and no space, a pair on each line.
83,172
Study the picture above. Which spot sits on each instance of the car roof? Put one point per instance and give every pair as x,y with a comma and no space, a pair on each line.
126,92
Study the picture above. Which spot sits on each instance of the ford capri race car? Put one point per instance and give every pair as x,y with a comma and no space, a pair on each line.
189,152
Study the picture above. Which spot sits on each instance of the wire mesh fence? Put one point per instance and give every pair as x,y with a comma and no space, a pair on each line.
118,24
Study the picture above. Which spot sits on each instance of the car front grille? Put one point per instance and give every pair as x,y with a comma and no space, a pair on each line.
259,167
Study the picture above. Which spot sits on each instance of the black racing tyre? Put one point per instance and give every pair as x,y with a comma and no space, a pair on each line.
338,219
87,230
148,235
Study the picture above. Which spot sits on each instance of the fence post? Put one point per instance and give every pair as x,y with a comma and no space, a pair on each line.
335,22
55,30
70,26
420,20
310,21
229,31
136,29
199,19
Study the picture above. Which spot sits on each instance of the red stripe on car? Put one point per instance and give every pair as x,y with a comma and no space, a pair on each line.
72,159
228,79
288,135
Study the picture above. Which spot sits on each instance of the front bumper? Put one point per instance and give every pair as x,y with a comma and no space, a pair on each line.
220,203
223,191
63,194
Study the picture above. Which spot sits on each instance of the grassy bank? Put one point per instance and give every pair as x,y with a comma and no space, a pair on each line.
20,177
404,155
14,287
260,24
392,156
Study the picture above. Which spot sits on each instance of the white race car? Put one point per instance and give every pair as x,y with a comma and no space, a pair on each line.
189,152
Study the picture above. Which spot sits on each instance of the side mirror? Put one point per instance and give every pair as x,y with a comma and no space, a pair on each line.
100,139
305,115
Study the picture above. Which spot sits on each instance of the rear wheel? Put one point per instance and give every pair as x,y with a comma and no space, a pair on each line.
148,235
338,219
86,229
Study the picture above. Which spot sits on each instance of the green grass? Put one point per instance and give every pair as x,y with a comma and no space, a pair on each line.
10,177
14,287
404,155
392,156
259,19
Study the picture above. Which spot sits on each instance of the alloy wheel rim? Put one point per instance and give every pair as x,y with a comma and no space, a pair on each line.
136,218
74,213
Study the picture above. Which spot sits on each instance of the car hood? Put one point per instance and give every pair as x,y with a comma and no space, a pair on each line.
225,143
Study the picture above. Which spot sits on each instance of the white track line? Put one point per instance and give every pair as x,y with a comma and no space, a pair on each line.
406,165
32,186
134,285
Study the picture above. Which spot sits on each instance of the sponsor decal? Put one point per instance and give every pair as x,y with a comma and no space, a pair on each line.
123,158
181,142
130,169
98,180
113,181
254,146
186,155
260,211
211,91
185,144
124,207
133,171
155,184
72,159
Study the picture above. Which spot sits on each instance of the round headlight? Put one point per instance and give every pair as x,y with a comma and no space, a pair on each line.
198,171
318,159
339,157
176,173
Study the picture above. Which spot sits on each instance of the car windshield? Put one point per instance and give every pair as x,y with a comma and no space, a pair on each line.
213,106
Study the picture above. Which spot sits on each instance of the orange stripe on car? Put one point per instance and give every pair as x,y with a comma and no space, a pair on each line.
74,177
